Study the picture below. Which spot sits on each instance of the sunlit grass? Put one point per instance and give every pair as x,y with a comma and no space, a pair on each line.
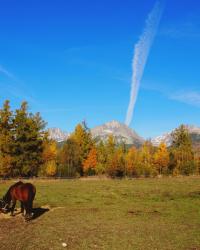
110,214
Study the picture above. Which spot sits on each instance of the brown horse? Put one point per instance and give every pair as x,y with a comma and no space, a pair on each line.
23,192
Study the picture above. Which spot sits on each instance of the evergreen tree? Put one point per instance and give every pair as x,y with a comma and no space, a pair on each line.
6,140
28,146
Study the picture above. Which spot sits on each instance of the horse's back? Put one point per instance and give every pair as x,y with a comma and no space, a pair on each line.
16,184
30,187
24,192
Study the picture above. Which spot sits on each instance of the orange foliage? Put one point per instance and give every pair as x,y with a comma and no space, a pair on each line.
91,161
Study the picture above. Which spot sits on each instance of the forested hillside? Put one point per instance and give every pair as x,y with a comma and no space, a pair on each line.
26,150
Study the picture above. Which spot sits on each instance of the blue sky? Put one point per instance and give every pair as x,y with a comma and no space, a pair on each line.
71,60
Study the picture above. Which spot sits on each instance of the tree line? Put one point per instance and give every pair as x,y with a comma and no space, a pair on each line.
26,150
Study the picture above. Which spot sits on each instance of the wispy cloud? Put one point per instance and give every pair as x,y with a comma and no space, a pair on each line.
7,73
14,87
188,97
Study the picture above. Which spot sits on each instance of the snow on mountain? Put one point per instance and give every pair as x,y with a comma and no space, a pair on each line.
57,134
167,138
123,133
120,131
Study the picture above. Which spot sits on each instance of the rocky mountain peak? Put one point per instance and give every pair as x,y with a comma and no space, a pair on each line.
57,134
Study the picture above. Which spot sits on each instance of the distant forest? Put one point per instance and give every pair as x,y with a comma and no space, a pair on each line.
27,151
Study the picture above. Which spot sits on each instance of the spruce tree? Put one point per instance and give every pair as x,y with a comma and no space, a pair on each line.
6,140
28,129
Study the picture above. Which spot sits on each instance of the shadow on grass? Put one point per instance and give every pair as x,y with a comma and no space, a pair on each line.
39,211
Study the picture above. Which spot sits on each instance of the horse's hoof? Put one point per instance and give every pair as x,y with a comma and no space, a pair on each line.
28,218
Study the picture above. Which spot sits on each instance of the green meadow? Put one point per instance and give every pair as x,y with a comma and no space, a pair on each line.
160,213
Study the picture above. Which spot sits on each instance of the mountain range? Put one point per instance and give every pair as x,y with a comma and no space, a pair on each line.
167,137
123,133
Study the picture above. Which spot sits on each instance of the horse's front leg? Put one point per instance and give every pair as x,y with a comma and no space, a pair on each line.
13,202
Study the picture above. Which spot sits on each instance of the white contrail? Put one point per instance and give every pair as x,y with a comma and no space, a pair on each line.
141,52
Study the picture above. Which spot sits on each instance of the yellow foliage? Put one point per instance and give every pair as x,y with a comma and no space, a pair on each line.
161,157
131,161
49,151
51,168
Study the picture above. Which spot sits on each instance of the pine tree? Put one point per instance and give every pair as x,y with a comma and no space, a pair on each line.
28,146
6,140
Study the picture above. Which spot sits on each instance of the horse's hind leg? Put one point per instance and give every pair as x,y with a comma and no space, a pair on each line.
22,208
28,211
13,207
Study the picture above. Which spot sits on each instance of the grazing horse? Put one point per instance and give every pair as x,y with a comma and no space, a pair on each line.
23,192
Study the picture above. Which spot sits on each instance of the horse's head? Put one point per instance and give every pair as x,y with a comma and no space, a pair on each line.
4,206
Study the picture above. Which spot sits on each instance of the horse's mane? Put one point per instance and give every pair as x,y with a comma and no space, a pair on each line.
7,196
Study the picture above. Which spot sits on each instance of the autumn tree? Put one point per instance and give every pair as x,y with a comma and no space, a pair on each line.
146,166
101,158
132,162
110,145
161,158
83,138
69,162
49,156
197,158
116,163
90,163
51,168
182,155
6,140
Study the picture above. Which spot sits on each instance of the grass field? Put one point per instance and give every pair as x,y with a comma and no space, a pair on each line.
109,214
